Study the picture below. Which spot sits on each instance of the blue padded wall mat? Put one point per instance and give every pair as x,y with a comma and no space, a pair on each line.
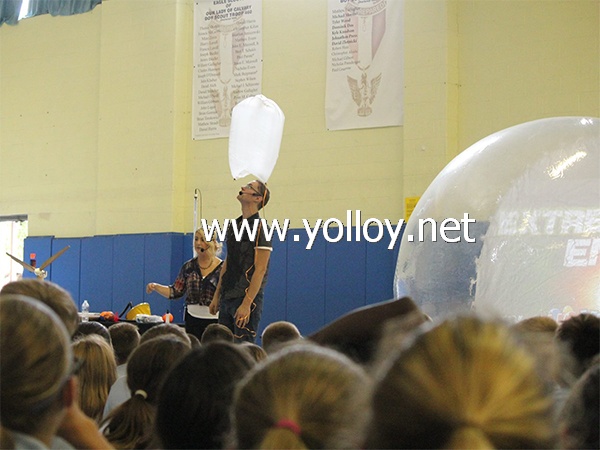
163,257
274,307
128,273
306,283
380,269
344,278
97,273
65,269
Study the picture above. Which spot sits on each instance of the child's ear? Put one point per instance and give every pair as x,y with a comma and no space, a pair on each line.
70,392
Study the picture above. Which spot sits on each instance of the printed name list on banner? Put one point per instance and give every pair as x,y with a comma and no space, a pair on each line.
227,62
365,64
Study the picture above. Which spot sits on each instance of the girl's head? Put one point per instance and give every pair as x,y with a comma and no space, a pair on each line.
303,397
150,363
130,425
465,383
97,373
197,395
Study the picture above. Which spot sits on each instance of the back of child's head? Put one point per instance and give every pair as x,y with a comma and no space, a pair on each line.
536,324
35,362
303,396
54,296
194,401
579,339
464,383
151,361
129,425
256,352
166,329
216,332
87,328
580,414
97,373
278,334
125,339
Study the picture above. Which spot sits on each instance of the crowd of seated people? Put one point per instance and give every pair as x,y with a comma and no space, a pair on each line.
381,376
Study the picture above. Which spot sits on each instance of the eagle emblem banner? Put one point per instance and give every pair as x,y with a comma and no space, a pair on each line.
365,64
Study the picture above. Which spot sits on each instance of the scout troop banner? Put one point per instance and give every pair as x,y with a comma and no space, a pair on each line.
227,62
365,64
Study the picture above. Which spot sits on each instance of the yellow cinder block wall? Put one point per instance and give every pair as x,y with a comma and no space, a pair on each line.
95,109
524,60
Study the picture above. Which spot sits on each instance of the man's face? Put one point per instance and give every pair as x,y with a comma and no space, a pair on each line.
250,192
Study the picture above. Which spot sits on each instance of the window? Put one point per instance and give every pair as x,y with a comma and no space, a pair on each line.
11,11
13,231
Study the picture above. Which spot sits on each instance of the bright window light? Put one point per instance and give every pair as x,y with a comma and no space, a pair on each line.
24,10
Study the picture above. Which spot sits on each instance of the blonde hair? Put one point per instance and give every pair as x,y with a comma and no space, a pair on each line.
321,391
214,246
536,324
97,374
35,362
466,383
54,296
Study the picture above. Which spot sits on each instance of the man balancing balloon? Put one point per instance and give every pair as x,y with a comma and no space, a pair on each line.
255,138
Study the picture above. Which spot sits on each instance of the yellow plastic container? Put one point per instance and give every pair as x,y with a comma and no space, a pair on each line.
141,308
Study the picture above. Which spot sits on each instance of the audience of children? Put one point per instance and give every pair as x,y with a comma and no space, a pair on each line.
382,376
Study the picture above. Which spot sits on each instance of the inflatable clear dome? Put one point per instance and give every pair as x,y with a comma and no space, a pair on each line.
517,229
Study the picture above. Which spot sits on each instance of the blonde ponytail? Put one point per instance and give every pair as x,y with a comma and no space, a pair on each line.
277,438
469,437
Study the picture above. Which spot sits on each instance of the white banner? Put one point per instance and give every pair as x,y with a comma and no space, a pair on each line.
227,62
365,64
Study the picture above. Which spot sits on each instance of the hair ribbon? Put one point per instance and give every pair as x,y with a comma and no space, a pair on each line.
289,425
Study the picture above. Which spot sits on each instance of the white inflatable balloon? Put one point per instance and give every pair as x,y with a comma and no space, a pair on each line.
534,192
255,137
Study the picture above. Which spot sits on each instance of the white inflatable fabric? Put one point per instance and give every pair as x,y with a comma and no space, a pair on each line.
255,137
534,191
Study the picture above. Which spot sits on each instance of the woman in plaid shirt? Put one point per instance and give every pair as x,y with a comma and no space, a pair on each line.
197,280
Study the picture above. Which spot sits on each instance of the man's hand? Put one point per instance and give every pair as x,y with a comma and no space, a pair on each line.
242,315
